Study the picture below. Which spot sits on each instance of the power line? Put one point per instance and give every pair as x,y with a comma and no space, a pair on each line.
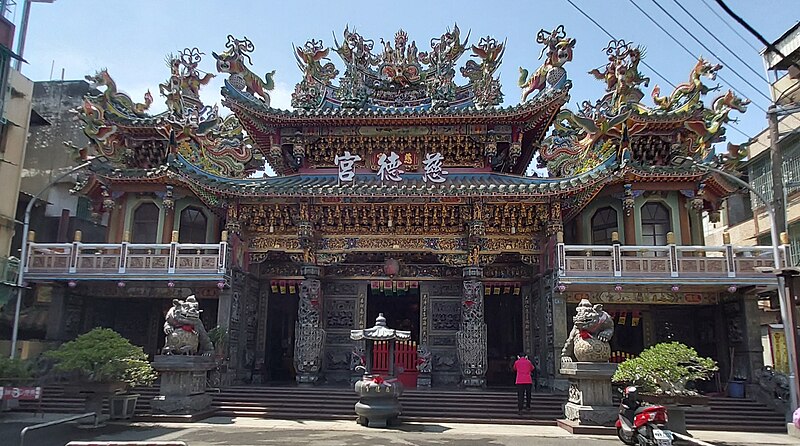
770,46
705,2
674,39
691,16
612,36
758,90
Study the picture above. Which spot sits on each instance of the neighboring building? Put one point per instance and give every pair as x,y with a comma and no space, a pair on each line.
738,220
400,192
15,118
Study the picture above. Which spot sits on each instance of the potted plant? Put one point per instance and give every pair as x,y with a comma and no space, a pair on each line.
13,372
103,364
662,373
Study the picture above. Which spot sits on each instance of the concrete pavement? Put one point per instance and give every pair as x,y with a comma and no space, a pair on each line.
252,431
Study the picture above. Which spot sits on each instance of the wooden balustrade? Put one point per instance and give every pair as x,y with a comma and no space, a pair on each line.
64,260
665,262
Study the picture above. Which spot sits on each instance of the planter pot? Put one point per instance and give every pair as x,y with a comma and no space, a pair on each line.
95,394
676,408
123,406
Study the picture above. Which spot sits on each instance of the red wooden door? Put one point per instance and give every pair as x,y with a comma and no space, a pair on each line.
405,361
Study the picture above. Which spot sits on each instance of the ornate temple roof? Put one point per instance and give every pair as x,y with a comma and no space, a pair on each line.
399,98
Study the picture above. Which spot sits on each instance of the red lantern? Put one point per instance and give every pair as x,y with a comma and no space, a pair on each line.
391,267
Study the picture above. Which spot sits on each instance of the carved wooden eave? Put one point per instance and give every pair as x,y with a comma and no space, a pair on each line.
530,119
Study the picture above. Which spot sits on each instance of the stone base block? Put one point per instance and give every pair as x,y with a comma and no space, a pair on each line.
177,417
575,428
307,379
188,404
591,415
424,381
474,383
792,431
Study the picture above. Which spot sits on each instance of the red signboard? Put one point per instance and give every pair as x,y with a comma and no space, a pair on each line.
21,393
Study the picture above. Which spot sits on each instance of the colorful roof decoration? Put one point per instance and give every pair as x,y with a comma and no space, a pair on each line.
396,98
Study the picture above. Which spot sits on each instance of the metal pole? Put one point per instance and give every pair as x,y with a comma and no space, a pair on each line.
786,303
26,13
776,161
23,261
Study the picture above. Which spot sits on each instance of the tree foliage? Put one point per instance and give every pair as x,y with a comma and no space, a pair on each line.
14,372
103,355
664,369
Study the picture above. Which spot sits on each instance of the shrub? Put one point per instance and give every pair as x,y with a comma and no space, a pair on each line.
14,372
665,369
103,355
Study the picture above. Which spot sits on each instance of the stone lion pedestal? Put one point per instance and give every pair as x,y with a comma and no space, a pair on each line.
590,394
182,394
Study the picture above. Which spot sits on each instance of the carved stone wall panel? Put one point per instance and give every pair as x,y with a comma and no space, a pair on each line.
340,313
338,337
445,360
340,288
444,289
445,315
443,340
337,358
445,379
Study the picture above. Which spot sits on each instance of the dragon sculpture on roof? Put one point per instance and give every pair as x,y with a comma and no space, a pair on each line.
130,138
618,126
400,76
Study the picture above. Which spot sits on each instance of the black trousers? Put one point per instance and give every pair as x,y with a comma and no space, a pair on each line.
524,389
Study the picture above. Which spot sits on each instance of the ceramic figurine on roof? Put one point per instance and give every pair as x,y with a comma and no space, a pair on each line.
117,102
131,139
481,75
687,94
310,92
619,129
400,76
621,74
551,74
232,61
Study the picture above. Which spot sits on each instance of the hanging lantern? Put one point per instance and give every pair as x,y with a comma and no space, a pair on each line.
170,284
618,288
72,284
675,288
221,284
732,289
121,284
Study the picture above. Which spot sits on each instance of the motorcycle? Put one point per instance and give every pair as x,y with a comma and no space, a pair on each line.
642,425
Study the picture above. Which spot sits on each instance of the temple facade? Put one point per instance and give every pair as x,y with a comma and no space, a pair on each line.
400,188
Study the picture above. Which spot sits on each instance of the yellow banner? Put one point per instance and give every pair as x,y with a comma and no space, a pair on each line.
777,343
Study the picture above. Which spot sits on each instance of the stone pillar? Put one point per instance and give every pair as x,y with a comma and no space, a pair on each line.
56,314
559,326
471,338
309,341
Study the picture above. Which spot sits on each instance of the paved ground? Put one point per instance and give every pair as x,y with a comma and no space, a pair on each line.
248,431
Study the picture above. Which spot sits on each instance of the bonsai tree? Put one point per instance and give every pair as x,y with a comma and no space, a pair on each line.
104,356
14,372
665,369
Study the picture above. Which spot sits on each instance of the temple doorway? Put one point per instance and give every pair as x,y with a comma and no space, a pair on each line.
281,317
503,315
399,304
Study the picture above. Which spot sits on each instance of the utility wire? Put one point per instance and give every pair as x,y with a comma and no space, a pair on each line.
750,138
691,16
758,90
674,39
612,36
705,2
770,46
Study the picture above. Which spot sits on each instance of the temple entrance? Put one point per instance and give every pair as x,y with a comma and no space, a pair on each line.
281,317
399,305
503,315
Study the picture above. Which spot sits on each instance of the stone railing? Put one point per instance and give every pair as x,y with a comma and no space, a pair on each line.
622,263
66,261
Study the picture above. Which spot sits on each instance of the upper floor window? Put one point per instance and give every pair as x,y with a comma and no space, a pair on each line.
604,222
193,226
145,223
655,224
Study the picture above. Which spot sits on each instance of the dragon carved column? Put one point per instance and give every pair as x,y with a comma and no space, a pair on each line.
309,335
471,338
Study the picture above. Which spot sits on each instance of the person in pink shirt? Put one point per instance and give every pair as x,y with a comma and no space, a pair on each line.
524,369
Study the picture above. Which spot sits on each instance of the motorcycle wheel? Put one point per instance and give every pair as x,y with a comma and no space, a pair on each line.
629,441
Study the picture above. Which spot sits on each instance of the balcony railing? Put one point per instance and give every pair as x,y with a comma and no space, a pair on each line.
688,264
65,261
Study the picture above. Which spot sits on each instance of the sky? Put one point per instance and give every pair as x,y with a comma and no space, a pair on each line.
132,38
